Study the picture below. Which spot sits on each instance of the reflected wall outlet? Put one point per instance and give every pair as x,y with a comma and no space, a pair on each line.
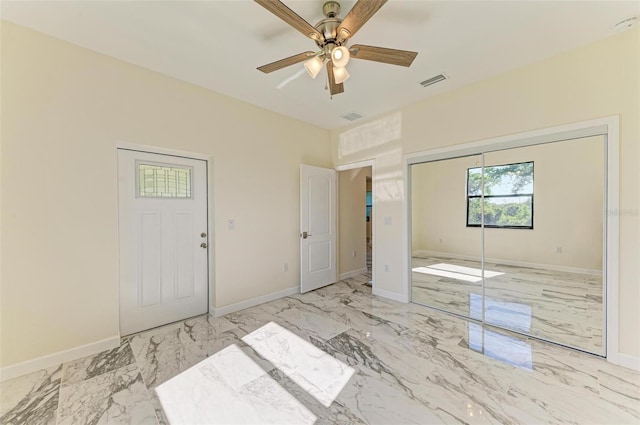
285,267
558,249
354,253
231,224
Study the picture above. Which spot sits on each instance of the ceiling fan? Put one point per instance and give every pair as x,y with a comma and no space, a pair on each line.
331,36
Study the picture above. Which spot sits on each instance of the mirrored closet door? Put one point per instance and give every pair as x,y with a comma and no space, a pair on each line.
514,239
446,267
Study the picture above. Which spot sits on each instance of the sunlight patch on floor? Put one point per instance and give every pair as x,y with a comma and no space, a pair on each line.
467,274
234,386
229,387
312,369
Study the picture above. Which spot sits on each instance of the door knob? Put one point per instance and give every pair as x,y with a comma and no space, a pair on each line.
305,235
203,245
203,235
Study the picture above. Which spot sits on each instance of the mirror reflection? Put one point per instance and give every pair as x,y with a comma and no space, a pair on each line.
535,216
446,270
551,286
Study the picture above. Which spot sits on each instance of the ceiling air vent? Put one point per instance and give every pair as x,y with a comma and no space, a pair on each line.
433,80
351,116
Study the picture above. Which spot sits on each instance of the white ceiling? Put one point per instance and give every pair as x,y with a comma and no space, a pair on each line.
219,44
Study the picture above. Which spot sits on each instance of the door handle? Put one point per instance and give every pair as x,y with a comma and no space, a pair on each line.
203,245
305,235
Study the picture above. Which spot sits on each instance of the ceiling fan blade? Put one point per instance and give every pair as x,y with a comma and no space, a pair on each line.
290,17
333,87
283,63
382,54
359,14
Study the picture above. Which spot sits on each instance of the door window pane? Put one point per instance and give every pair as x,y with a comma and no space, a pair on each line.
161,181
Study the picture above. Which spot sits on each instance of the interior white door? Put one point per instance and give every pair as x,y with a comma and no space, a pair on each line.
162,214
318,211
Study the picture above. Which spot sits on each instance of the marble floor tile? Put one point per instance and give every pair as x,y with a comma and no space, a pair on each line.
336,413
164,352
32,398
338,355
537,398
446,382
312,321
311,368
440,327
211,393
621,388
115,397
89,367
155,401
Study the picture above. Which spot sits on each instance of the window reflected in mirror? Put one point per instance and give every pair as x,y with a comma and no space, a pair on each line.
514,238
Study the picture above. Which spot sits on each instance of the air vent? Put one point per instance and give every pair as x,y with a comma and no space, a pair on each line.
351,116
433,80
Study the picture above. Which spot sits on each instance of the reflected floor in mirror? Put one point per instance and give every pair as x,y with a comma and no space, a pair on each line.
337,355
566,308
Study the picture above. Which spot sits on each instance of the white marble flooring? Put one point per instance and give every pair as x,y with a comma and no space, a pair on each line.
566,308
338,355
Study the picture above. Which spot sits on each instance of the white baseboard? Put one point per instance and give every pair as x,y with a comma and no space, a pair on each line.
628,361
554,267
403,298
353,273
55,359
232,308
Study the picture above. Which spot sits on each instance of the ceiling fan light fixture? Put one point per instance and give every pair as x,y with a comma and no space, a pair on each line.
340,56
313,66
331,35
340,74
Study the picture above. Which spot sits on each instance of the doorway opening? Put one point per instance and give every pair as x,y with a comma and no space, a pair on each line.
355,221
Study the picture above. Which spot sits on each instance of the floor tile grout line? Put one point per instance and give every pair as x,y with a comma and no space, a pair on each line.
59,391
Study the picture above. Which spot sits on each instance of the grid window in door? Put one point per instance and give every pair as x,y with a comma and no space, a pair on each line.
161,181
508,196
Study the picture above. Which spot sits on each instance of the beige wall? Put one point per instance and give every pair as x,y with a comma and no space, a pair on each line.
64,108
568,206
590,82
352,187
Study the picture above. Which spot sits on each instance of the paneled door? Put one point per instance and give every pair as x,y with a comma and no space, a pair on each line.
318,211
162,214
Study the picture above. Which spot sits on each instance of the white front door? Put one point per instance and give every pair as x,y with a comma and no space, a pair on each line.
162,213
317,227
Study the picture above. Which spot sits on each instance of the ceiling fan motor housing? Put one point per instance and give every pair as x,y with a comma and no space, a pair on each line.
329,27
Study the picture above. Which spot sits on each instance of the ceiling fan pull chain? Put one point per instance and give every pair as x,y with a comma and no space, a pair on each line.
326,86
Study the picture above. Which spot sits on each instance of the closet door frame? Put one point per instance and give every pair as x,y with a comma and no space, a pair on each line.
607,127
